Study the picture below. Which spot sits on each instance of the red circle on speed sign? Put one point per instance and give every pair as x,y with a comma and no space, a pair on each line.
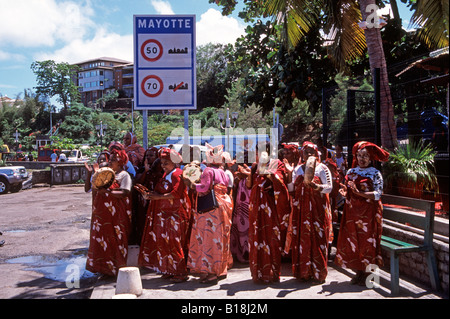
155,86
155,52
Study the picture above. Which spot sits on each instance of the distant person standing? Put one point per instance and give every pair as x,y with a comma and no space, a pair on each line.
54,156
134,151
341,160
62,157
239,227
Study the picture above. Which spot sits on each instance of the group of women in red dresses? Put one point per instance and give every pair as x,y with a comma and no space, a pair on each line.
278,207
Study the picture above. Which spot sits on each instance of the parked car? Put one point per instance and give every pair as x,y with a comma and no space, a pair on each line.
76,156
11,178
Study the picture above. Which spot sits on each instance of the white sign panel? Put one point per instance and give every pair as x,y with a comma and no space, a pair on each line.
164,62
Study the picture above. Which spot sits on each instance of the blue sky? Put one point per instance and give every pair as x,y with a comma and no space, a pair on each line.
74,31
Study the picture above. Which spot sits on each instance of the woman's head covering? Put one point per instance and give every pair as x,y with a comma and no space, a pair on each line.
132,137
294,149
214,155
226,157
116,146
121,156
107,155
312,146
376,153
170,154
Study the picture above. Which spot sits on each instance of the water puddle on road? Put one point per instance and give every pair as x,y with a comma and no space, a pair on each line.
58,269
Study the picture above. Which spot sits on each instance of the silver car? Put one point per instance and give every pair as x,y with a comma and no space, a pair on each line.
11,178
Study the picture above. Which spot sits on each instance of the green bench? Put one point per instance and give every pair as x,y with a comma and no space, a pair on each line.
396,247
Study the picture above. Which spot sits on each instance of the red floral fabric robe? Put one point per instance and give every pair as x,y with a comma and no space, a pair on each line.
209,246
359,237
311,231
269,211
110,228
164,243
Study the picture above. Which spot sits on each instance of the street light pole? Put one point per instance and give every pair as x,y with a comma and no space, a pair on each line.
51,124
100,128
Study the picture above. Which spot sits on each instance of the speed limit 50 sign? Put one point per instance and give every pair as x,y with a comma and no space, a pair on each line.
164,62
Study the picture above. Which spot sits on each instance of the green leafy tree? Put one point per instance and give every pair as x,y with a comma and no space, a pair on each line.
77,124
62,143
299,123
214,74
364,109
249,117
56,79
275,76
116,123
297,18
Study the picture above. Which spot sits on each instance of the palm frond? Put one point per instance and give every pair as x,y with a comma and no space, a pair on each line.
347,39
433,18
297,16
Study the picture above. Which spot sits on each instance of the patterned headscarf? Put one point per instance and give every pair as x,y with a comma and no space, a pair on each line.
170,154
214,155
294,149
226,157
133,138
107,155
116,146
121,156
311,145
376,153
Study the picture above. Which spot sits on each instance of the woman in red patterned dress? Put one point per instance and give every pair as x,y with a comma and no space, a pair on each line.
269,211
111,221
359,237
311,220
209,246
166,228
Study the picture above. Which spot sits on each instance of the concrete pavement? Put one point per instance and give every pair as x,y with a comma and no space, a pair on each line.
238,285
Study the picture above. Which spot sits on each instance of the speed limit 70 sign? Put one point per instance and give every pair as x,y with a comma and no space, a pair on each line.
164,62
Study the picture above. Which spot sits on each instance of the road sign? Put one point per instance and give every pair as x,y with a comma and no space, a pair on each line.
164,62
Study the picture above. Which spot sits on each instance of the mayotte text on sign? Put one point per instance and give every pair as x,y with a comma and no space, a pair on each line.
164,62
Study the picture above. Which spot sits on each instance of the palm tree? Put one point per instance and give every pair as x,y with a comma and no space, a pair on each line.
348,41
378,60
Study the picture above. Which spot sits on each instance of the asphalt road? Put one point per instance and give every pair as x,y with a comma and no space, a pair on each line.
45,229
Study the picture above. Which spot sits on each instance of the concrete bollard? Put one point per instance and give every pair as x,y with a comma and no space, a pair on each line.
129,281
124,296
